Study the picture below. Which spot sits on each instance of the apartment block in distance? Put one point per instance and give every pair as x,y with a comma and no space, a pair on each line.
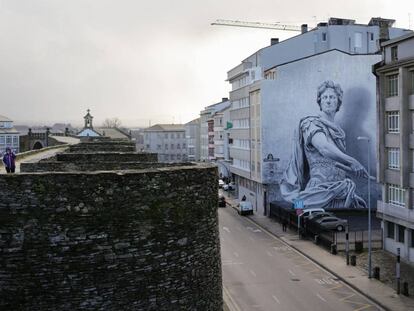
9,136
168,140
395,83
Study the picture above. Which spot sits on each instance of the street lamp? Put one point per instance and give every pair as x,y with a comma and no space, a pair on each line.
369,206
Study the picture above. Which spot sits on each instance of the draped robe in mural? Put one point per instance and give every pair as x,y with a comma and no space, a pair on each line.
313,178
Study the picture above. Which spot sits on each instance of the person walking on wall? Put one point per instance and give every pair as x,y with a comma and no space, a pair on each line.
9,160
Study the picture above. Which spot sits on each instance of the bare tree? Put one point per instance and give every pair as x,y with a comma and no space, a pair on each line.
112,122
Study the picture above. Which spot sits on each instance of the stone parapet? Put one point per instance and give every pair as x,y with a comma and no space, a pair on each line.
94,157
130,240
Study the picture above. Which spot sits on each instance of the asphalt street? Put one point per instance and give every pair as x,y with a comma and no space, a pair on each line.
261,272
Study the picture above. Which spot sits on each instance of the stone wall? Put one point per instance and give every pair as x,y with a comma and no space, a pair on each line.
113,146
50,165
107,157
119,240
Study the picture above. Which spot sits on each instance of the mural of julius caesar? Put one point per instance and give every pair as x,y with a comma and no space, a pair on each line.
317,171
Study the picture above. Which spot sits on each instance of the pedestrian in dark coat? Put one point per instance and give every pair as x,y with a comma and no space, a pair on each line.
9,160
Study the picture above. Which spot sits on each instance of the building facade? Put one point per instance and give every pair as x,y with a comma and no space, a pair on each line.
395,81
207,129
192,135
168,141
9,136
275,87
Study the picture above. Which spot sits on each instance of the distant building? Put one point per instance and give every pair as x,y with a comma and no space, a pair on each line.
168,140
137,135
207,129
88,130
9,136
192,135
113,133
395,82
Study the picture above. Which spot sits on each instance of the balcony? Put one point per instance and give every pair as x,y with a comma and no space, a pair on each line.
401,213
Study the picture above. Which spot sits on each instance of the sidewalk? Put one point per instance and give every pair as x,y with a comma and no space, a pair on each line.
355,277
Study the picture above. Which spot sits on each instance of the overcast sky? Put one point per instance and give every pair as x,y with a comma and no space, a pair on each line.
152,61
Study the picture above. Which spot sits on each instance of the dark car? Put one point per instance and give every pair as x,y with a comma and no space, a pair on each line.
317,216
333,223
221,201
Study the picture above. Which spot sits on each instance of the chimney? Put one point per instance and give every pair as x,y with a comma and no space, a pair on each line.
224,99
304,28
274,41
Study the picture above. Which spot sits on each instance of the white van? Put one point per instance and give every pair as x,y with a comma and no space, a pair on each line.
309,211
245,208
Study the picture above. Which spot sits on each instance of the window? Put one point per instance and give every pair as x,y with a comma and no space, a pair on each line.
393,120
394,158
401,230
172,157
371,36
390,230
184,146
323,36
2,124
258,167
178,156
172,146
394,53
8,140
166,147
358,40
15,140
2,140
165,135
172,135
178,146
148,146
392,84
158,147
412,81
396,195
412,237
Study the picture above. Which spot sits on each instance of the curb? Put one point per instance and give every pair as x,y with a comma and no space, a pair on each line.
321,265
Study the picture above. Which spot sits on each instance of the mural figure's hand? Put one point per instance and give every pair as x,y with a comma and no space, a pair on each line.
358,169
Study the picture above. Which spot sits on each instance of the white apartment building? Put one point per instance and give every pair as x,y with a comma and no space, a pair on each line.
168,140
9,136
276,86
192,135
206,133
395,75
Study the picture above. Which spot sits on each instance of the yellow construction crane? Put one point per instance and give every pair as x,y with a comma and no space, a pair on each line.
226,22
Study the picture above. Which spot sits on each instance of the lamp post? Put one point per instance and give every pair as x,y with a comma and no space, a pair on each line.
369,206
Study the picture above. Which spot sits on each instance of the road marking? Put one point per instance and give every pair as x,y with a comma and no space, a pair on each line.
335,287
269,253
362,308
257,230
292,273
345,298
252,273
226,229
275,299
236,254
321,298
231,301
230,262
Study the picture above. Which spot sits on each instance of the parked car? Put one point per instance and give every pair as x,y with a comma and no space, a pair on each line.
318,215
333,223
309,211
221,201
229,187
245,208
221,183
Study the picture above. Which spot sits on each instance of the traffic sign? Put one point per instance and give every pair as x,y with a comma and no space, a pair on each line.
299,211
299,204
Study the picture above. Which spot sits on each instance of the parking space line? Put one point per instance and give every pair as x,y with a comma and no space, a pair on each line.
275,299
321,298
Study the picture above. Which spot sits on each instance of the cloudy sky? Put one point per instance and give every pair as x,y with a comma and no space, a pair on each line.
142,61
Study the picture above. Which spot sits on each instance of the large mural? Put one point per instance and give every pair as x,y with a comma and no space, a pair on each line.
319,164
315,111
